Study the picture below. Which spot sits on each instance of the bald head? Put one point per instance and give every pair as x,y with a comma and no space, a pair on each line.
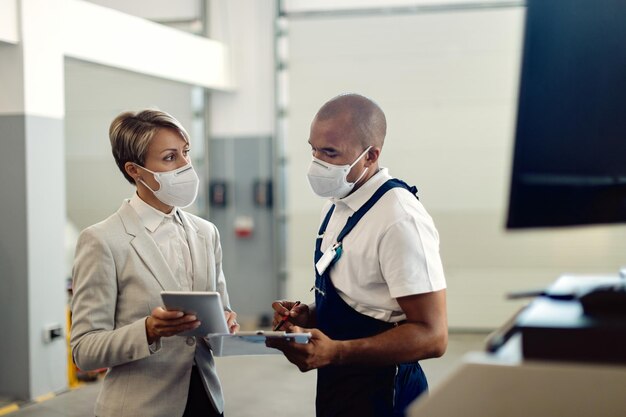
359,115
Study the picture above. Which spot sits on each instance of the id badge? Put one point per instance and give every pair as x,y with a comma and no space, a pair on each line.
326,259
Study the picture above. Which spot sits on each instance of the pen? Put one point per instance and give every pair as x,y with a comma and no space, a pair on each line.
286,316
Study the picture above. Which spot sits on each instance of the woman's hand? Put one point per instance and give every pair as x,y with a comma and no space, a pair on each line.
166,323
231,321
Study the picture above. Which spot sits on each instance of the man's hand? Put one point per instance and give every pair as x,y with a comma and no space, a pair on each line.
298,315
166,323
319,352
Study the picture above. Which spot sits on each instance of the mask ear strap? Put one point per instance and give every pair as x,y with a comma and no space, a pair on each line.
361,176
153,174
361,156
144,168
357,160
147,186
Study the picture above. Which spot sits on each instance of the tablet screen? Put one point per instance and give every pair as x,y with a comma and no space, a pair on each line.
206,306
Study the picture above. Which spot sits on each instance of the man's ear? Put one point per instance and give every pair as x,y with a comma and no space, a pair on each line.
131,169
372,155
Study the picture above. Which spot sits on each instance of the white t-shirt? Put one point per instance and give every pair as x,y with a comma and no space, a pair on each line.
392,252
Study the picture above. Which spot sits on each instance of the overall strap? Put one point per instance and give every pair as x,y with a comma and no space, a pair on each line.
326,220
354,219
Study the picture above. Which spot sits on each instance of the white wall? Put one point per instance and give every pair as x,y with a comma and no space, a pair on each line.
157,10
142,46
31,237
8,21
325,6
448,83
246,26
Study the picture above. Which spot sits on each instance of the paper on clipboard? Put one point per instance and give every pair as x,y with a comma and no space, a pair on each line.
250,342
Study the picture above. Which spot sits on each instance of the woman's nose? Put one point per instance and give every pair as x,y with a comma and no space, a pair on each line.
184,160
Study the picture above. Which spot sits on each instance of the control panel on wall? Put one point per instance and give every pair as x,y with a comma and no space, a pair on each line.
262,193
218,193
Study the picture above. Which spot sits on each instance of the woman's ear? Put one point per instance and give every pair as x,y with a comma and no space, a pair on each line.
131,169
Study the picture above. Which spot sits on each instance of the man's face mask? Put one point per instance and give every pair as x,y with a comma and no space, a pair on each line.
331,181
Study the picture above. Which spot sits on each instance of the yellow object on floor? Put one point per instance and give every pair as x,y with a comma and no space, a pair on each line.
9,409
72,377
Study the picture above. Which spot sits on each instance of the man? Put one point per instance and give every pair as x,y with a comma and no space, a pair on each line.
380,301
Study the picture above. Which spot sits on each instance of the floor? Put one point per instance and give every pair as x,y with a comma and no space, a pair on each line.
257,385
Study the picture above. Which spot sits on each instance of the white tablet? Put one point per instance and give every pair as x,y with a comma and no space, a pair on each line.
206,306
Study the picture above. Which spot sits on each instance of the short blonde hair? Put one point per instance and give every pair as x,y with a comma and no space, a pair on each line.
131,132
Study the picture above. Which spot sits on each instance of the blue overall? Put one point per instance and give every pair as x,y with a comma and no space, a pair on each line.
358,390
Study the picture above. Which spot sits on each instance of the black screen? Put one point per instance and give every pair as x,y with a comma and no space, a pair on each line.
569,164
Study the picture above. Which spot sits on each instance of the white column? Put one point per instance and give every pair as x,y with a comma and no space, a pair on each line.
32,284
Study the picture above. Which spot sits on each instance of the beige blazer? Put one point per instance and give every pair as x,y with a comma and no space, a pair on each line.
118,276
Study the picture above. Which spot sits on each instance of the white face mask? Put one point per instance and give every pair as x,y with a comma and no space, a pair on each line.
331,181
177,188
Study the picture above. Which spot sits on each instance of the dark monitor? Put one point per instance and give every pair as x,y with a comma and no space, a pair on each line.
569,164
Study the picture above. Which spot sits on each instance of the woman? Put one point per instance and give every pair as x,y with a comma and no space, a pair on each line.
124,262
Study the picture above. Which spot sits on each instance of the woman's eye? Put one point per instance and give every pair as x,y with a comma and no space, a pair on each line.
169,157
186,152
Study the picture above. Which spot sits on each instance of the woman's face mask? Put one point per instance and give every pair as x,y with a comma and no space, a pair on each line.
331,181
178,188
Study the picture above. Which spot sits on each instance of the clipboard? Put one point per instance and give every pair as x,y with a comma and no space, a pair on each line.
259,336
251,342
